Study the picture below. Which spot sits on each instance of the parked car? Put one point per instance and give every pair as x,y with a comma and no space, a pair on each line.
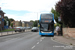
34,29
28,27
19,29
24,27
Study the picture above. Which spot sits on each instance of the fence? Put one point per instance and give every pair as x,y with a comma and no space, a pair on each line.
12,32
69,32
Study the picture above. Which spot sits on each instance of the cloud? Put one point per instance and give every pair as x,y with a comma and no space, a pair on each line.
25,17
33,6
12,16
28,5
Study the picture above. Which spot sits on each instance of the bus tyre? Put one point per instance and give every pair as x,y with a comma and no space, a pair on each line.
15,31
23,30
20,31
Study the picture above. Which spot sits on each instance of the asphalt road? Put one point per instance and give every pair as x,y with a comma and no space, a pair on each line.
31,41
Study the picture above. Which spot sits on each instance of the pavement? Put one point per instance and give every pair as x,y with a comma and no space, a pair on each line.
11,32
64,40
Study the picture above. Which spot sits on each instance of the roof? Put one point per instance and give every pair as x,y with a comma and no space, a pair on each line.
2,12
30,23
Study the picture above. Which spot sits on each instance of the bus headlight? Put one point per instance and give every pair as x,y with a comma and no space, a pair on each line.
50,32
42,32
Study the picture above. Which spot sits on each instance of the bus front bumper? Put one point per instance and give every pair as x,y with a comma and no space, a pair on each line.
46,33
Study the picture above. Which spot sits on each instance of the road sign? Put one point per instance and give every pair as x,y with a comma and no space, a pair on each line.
59,19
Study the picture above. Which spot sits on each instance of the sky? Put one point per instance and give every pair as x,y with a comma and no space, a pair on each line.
26,10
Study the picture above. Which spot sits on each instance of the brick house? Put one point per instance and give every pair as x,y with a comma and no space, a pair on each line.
1,19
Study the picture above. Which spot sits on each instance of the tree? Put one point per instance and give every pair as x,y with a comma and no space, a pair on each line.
5,17
11,24
31,21
66,8
56,14
11,19
35,23
4,22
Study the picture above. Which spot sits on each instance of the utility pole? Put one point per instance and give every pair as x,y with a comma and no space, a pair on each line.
37,18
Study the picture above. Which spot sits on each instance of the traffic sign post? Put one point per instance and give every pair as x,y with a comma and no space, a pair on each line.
59,19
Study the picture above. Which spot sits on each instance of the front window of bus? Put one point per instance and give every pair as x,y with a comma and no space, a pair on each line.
44,27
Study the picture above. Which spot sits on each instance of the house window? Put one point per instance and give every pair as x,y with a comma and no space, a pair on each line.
0,22
0,16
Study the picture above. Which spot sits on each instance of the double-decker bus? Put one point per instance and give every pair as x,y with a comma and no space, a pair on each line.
46,24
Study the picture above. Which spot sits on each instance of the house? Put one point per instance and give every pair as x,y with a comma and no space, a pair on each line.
28,24
23,23
1,19
18,23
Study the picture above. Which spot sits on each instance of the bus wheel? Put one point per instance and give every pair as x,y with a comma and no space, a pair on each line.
15,31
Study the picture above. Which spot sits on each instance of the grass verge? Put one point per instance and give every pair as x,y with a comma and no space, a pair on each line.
7,30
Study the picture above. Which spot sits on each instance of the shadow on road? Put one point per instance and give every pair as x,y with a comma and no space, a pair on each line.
47,36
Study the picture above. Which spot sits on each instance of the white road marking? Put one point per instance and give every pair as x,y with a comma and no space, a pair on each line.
37,42
33,47
42,37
